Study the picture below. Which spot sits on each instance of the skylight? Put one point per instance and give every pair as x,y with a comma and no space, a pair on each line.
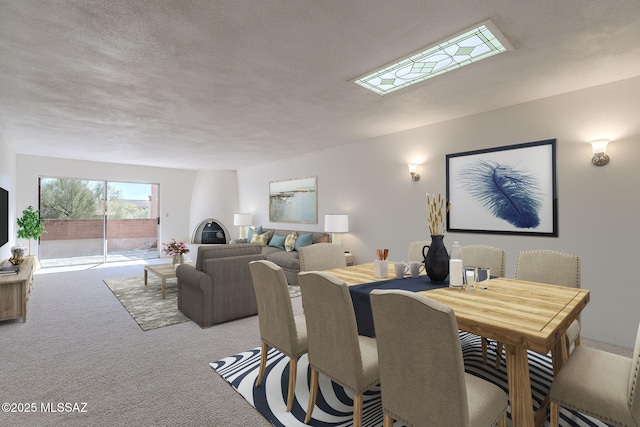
480,42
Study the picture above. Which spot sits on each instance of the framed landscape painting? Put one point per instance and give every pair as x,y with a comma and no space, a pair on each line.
294,200
504,190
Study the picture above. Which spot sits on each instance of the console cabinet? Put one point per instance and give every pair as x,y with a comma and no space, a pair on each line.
15,290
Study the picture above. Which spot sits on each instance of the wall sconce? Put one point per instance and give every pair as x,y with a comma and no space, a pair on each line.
336,224
242,220
600,157
413,171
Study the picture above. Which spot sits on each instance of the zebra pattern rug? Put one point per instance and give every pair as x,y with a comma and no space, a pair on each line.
334,404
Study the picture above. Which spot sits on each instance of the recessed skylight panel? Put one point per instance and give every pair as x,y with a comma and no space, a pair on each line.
479,42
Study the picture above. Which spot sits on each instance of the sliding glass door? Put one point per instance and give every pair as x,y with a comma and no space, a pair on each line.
96,221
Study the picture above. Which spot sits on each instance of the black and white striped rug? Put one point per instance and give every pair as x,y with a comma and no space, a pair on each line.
334,405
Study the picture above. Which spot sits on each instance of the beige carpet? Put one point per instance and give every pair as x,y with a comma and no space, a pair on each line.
145,303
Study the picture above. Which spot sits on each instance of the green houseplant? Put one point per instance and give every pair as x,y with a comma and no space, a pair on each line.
30,226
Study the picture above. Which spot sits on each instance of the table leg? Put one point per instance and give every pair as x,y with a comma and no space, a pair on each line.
164,287
559,355
519,386
146,275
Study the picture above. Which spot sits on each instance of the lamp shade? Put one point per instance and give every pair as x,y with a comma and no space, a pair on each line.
599,146
336,223
242,219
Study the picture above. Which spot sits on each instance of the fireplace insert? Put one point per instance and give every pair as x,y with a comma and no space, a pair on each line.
210,231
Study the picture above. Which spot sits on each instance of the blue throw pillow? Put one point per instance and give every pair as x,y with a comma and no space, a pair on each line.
304,240
277,241
252,230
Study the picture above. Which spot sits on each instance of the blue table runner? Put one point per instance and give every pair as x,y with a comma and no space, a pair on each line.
362,303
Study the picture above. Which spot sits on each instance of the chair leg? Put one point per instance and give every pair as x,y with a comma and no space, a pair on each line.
555,414
357,410
263,362
498,354
502,422
387,421
484,350
293,371
313,394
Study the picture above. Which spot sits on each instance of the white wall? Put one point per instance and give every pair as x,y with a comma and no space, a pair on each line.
597,206
215,195
176,186
7,181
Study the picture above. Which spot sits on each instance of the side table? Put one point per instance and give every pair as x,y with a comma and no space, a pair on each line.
15,290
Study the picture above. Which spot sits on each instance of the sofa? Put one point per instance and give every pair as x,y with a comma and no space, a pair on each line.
274,249
219,288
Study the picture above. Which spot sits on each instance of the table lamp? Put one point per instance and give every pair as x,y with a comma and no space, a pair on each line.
336,224
242,220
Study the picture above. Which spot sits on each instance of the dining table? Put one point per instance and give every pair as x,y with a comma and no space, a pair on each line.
524,316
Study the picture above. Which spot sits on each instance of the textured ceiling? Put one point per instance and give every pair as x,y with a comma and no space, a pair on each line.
230,84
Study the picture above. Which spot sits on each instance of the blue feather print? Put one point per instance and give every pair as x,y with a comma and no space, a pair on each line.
508,193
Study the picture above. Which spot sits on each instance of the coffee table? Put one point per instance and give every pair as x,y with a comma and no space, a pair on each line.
164,271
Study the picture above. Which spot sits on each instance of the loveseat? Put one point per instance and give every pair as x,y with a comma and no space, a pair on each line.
274,248
219,288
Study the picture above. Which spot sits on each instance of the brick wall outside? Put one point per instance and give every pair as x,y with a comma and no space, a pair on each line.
122,234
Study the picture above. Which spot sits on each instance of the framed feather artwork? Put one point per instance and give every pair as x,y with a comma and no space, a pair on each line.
504,190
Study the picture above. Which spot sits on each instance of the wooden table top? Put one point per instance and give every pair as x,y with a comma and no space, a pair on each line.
162,270
26,267
524,314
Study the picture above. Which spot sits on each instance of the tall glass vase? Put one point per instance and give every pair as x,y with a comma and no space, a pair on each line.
178,259
436,259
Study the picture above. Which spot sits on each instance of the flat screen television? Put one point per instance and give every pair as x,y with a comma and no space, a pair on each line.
4,216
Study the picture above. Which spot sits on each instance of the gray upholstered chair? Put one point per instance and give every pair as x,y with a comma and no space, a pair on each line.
321,256
335,348
485,257
554,268
422,369
415,250
279,328
602,385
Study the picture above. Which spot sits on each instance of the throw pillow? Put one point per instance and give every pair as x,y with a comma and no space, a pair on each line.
290,241
252,230
263,238
304,240
277,241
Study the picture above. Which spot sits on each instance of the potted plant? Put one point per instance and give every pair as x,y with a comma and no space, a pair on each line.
30,226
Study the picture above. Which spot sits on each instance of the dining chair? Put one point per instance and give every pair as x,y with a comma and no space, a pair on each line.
555,268
321,256
279,328
335,348
415,250
486,257
422,374
602,385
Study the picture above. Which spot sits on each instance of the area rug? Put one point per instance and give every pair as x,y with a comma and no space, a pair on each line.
145,303
335,405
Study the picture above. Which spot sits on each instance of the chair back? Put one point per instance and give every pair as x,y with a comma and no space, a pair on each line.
332,331
275,313
415,250
420,357
634,381
486,257
555,268
322,256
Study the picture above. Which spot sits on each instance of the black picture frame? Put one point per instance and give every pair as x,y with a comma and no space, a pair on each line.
504,190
